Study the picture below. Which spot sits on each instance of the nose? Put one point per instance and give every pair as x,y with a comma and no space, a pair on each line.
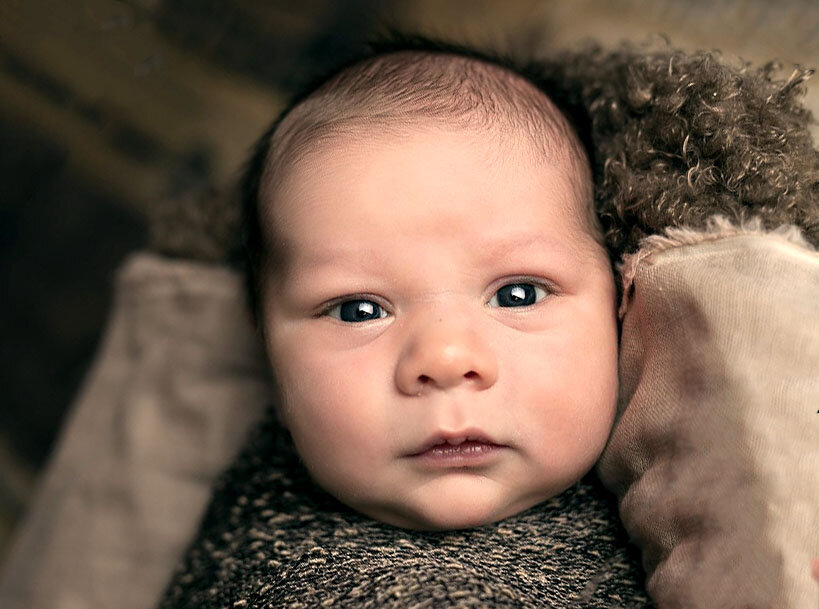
444,355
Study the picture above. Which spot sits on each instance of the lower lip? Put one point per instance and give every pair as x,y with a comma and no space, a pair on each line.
465,454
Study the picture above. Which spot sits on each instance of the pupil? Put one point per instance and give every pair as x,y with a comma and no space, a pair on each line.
359,310
516,294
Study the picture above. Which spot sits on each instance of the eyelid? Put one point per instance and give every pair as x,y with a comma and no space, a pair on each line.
324,309
550,288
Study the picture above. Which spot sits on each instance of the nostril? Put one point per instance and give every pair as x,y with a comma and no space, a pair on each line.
471,374
423,378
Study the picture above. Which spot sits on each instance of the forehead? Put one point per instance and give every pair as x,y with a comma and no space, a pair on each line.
424,185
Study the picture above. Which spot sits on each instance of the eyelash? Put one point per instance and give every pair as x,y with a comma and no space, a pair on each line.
325,310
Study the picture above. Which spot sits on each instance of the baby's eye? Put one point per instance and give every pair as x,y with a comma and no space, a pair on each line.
517,295
356,310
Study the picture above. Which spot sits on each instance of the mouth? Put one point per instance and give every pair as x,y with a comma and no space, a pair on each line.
468,444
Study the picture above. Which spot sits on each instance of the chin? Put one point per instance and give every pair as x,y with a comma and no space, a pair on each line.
450,522
447,504
442,515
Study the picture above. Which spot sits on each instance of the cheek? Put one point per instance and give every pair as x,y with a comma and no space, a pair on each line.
333,406
570,397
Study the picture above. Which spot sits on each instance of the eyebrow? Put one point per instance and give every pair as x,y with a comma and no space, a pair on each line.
497,248
490,250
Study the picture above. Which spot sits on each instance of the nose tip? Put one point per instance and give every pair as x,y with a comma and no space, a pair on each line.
446,359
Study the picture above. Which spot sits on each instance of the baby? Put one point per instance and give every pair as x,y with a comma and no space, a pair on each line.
430,282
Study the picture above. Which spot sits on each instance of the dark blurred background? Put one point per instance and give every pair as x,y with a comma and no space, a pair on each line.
112,110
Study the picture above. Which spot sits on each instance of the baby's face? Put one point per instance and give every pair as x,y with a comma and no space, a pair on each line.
443,331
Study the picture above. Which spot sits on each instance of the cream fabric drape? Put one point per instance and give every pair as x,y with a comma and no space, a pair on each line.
715,453
179,379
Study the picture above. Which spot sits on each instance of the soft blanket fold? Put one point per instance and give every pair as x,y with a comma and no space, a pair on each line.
715,452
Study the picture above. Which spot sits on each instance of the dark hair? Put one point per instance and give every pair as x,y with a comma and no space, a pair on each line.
672,138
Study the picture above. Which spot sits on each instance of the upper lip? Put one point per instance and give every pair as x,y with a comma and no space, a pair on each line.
454,438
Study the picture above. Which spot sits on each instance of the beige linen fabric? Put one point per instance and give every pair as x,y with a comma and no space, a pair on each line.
179,379
715,453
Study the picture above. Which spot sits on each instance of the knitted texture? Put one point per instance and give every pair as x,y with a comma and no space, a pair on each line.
272,538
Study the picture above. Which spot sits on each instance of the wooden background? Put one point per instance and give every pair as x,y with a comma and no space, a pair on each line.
111,111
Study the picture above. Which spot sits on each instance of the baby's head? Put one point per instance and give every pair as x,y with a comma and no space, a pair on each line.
435,301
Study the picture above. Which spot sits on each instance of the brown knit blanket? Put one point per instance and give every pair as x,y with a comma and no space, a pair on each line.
271,538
